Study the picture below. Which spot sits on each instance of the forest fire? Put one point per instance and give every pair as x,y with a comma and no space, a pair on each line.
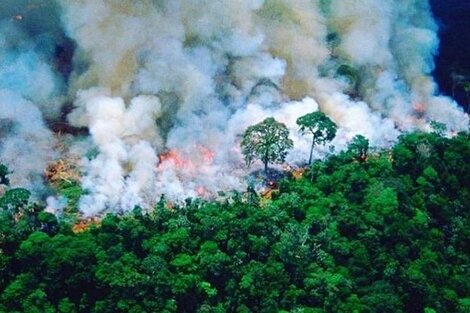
83,225
186,166
201,191
207,154
419,108
61,170
165,112
236,155
298,173
175,158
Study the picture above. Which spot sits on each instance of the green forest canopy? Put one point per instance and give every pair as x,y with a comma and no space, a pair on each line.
385,234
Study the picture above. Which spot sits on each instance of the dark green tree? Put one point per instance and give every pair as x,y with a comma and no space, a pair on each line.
359,147
322,128
268,141
15,199
438,128
389,235
4,175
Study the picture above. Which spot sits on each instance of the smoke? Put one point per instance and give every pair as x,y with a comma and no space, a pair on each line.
124,168
26,143
29,92
167,88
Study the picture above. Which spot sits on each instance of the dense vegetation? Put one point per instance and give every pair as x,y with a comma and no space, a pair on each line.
383,232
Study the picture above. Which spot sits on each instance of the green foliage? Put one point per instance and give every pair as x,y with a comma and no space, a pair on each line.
72,191
438,127
320,126
268,141
4,175
359,147
349,72
352,76
14,199
387,234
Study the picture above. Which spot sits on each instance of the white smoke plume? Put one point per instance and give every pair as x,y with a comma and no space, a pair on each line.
26,143
28,92
167,88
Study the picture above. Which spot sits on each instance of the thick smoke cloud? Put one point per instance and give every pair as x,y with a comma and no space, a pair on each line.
166,88
30,91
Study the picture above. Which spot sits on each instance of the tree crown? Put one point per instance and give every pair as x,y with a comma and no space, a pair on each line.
268,141
319,125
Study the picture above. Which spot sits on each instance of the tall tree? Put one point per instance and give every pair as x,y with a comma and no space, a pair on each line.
359,146
268,141
322,128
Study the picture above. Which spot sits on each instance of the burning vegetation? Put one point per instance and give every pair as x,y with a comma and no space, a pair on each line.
84,224
62,171
166,111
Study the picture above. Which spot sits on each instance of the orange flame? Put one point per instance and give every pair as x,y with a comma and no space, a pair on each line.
201,191
175,158
179,160
419,107
207,154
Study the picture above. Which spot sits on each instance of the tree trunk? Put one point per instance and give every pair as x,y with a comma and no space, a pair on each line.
266,162
311,152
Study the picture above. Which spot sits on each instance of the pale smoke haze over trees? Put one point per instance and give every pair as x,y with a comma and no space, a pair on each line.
115,104
131,117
